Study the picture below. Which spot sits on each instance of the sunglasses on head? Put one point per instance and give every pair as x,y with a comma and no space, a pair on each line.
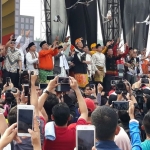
13,42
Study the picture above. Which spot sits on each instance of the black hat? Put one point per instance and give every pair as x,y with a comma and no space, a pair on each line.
59,47
14,40
110,47
130,48
43,42
98,45
31,44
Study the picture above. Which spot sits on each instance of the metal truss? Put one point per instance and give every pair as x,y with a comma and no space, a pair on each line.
42,21
47,8
113,26
0,21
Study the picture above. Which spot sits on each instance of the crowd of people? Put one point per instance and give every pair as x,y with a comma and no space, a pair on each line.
101,86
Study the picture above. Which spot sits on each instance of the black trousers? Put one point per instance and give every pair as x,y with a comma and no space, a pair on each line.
107,82
14,78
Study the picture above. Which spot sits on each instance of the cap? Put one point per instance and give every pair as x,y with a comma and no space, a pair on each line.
98,45
78,40
43,42
31,44
93,45
90,104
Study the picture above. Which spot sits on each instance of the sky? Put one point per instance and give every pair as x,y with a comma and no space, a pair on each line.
32,8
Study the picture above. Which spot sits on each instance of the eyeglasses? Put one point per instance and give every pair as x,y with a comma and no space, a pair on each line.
12,42
88,89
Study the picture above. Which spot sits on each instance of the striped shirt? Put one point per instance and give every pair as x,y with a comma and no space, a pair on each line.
11,61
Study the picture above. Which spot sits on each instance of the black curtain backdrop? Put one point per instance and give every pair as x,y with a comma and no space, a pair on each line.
133,11
82,21
103,9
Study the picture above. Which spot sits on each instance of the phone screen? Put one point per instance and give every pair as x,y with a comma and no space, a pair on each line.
85,139
50,77
26,89
92,86
63,80
25,120
122,105
43,86
144,81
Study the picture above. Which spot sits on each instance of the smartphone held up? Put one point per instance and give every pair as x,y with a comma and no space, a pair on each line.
25,115
85,137
63,84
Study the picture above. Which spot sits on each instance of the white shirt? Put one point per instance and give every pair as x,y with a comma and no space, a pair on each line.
99,60
30,61
22,49
134,72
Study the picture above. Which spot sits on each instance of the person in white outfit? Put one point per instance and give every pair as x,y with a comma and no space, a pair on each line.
22,49
32,59
100,62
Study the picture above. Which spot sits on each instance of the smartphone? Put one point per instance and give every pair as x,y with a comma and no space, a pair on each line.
120,105
144,81
50,77
92,86
63,80
63,88
25,115
85,137
114,82
26,89
43,86
8,80
14,90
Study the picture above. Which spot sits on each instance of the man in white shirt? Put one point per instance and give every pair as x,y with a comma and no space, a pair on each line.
22,49
89,62
32,58
99,61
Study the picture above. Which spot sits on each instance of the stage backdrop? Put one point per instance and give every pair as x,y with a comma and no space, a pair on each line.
132,11
82,21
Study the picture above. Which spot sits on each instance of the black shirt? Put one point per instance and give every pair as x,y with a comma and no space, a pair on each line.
106,145
79,66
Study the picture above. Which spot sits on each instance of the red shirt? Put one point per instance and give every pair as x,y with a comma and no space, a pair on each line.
65,138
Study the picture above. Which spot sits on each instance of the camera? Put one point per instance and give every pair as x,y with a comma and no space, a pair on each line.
121,88
120,68
63,80
92,86
63,84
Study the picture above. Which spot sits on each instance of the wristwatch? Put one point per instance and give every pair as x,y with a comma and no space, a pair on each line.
46,91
